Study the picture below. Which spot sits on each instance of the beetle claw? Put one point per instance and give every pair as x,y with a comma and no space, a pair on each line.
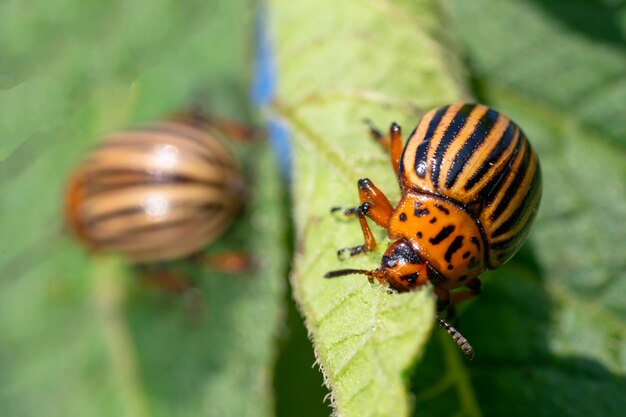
343,212
352,251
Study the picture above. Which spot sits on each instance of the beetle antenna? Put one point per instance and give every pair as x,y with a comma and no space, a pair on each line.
342,272
462,342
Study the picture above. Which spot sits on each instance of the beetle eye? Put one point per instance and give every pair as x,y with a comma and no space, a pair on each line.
411,278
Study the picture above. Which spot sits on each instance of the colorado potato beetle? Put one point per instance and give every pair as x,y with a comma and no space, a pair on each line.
153,194
471,186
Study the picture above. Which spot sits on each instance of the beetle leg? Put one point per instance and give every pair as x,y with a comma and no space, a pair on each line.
370,241
379,209
163,278
391,142
233,262
200,118
374,205
169,280
474,288
347,212
378,136
449,301
234,129
395,133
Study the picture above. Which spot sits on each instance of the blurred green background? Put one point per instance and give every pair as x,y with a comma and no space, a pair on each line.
79,336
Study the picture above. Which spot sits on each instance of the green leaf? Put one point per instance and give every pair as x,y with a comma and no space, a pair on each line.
353,61
570,54
550,327
80,336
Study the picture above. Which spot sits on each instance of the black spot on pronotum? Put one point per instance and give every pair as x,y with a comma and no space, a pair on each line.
463,278
433,220
402,217
421,212
456,244
442,235
466,255
419,235
405,254
475,241
473,263
450,267
442,208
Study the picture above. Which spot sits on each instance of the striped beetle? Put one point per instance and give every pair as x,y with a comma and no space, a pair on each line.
158,193
471,186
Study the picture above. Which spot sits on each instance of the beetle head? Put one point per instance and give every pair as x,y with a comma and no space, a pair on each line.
401,266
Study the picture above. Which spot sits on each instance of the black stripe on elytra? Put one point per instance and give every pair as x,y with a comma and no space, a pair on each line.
503,143
524,205
503,250
421,160
442,235
173,203
103,175
513,187
510,244
134,209
493,187
146,146
506,245
452,132
182,133
476,139
144,177
456,244
136,232
201,138
104,181
104,217
401,166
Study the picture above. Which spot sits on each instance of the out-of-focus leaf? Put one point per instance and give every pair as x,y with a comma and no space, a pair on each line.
80,336
550,327
570,54
338,63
